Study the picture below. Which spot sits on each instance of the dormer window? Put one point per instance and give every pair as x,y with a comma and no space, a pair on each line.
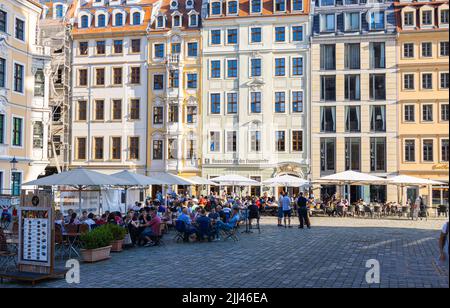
59,11
160,22
377,20
84,21
101,20
174,5
444,17
193,20
118,20
216,8
409,19
280,5
136,18
256,6
232,7
297,5
176,21
427,18
190,4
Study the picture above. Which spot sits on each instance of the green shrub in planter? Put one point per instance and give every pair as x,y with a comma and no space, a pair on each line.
117,232
97,238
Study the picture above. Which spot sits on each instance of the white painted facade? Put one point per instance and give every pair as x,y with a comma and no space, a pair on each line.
220,158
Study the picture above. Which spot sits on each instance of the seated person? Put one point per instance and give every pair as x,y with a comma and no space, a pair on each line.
184,217
152,228
90,221
230,224
213,215
204,225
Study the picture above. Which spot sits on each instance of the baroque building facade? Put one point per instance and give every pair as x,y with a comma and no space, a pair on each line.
354,93
255,85
24,109
174,88
423,81
109,80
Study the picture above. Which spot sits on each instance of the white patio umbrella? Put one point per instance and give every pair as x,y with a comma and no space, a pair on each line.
196,180
79,178
234,180
163,178
350,177
287,181
403,181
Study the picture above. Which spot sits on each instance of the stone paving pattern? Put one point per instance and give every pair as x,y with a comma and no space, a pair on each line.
332,254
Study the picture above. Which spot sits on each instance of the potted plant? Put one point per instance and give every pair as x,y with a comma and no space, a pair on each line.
118,234
96,244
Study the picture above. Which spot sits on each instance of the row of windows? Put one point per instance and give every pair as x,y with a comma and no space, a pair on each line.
18,76
352,21
352,119
173,80
426,83
115,148
353,158
217,8
117,47
352,87
426,50
171,152
159,49
282,103
173,114
177,20
352,56
117,76
322,3
118,20
427,110
115,109
280,35
428,151
424,17
281,68
255,141
19,25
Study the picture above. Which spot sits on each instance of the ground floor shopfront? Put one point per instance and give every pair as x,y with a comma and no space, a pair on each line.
258,173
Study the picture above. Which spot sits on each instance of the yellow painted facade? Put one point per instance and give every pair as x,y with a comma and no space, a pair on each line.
20,104
178,127
423,64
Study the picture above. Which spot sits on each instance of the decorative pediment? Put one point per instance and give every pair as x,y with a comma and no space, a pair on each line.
3,46
158,101
192,100
3,103
256,83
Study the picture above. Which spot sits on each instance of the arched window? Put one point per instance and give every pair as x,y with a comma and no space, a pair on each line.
136,18
101,20
84,21
59,11
119,19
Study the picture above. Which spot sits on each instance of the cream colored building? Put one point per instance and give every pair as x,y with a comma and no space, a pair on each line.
24,110
174,89
423,81
354,94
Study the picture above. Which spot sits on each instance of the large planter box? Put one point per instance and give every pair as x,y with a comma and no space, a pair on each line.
117,246
94,255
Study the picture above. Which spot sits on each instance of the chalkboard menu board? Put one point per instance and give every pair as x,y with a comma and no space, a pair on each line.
36,239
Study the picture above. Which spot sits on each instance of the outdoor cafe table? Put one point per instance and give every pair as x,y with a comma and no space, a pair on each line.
73,240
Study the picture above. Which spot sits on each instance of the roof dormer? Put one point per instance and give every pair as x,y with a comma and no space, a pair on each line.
193,19
160,21
215,9
443,15
409,17
232,7
84,19
190,4
97,3
136,16
177,19
119,16
426,17
59,10
101,18
174,5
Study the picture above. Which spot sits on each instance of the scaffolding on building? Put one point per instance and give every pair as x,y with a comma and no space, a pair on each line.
57,35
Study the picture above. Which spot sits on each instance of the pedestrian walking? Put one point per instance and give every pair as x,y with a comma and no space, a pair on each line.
302,208
443,246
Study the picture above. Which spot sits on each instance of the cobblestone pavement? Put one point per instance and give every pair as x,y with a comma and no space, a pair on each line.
332,254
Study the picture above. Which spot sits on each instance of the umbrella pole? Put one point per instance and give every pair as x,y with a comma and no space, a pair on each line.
79,199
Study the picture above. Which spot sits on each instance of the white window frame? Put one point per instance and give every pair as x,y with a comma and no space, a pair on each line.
22,137
23,77
25,34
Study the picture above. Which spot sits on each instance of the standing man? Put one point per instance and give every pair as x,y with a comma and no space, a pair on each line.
286,205
302,209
